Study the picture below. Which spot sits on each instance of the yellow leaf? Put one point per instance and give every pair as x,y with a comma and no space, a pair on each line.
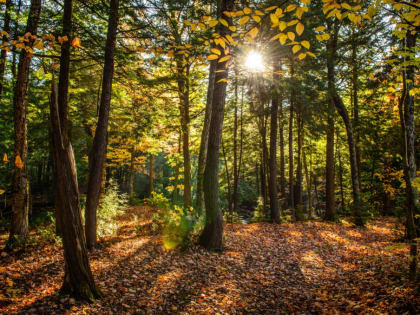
319,37
2,191
5,160
202,26
216,51
292,22
326,36
212,57
276,37
274,19
213,23
296,48
283,38
62,39
243,20
18,162
306,1
171,54
299,28
224,22
258,12
222,80
320,28
302,56
76,42
247,10
4,33
310,54
299,13
230,39
256,18
291,35
290,7
253,32
282,25
232,28
225,58
346,6
271,8
305,44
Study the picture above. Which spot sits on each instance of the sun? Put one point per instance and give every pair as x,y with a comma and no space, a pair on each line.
254,62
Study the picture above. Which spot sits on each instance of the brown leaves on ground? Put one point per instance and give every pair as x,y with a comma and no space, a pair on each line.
310,267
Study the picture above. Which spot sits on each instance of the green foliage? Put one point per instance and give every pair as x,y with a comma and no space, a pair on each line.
232,217
111,205
259,215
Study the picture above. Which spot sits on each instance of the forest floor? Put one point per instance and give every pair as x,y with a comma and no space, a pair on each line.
309,268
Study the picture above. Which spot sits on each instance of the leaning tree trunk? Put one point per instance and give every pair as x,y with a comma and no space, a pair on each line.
212,235
272,184
406,105
20,203
78,280
3,55
99,145
342,110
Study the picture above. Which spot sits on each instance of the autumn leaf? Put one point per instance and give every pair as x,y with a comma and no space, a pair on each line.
18,162
76,42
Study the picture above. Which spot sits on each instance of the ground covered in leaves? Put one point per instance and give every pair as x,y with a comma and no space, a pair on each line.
310,267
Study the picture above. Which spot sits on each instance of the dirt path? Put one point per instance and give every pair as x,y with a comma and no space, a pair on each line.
308,268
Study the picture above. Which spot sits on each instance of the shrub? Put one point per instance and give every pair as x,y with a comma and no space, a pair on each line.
111,205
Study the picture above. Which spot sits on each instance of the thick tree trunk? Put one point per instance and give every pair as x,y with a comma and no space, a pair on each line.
342,110
330,210
101,134
5,40
406,105
212,235
202,157
151,174
274,209
20,203
78,280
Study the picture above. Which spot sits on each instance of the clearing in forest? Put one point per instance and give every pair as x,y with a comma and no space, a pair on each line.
311,267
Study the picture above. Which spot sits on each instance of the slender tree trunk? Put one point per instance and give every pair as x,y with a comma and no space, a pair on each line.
299,180
234,198
308,183
340,175
15,37
6,27
101,135
212,235
78,280
228,180
202,157
406,105
131,184
330,210
151,174
291,181
176,189
20,203
274,209
339,105
282,159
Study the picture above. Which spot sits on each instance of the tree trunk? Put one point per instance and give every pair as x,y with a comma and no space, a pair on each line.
339,105
228,181
308,183
101,135
299,190
78,280
291,181
131,184
151,174
330,210
202,157
274,209
406,105
176,190
20,203
234,198
3,55
282,160
340,175
212,235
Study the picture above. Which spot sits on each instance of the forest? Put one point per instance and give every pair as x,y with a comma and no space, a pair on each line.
210,157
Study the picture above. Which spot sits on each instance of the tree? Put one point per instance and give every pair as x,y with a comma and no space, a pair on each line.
98,152
78,280
19,223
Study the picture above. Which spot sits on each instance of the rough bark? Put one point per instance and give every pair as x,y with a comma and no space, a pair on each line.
20,203
330,209
78,280
101,134
272,185
212,235
5,40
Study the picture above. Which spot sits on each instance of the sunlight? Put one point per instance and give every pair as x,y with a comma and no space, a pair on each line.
254,62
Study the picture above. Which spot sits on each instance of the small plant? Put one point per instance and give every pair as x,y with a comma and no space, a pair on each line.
111,205
259,214
232,217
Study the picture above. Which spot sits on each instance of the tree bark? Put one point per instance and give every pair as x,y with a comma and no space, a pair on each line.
299,178
20,203
406,105
282,159
176,190
131,183
5,40
291,181
151,174
212,235
100,140
78,280
234,198
330,209
342,110
274,209
308,180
